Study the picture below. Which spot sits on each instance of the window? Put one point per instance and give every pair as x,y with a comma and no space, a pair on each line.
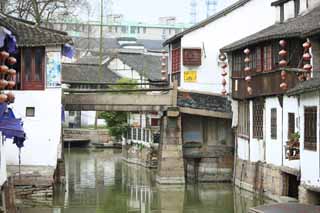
144,135
273,123
267,58
154,122
139,134
30,111
134,134
33,66
176,60
238,62
310,128
148,136
258,106
258,63
244,119
129,133
71,113
291,124
124,29
133,30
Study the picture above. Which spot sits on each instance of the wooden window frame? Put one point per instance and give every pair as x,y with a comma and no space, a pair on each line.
32,84
244,119
258,118
176,60
273,123
310,128
291,124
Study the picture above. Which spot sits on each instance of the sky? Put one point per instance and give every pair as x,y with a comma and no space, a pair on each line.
150,10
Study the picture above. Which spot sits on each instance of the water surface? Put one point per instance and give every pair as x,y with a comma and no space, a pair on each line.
99,181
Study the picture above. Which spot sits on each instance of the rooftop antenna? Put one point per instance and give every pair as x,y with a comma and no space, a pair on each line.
211,7
193,12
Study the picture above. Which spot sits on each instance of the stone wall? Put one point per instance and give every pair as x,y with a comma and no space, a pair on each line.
95,135
308,196
260,178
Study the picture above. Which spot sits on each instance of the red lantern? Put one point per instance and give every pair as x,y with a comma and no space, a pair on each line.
283,53
3,84
307,56
284,86
3,98
283,75
3,69
249,90
224,91
247,69
307,67
222,57
248,78
224,82
12,72
10,97
11,84
12,60
283,63
247,51
224,65
163,72
283,43
306,45
224,73
247,60
4,55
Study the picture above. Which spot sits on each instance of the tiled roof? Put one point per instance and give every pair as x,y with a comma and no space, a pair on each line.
300,26
28,34
305,86
203,101
147,65
88,73
207,21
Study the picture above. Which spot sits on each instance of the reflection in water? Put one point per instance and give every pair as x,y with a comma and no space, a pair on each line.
99,181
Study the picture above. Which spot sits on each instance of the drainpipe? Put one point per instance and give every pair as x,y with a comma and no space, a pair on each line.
318,137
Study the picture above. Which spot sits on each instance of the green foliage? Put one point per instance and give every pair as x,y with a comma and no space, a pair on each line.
117,122
295,137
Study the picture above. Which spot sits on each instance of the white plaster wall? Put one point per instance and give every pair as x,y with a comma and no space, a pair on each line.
290,105
288,10
256,145
274,148
88,118
243,149
3,162
43,131
310,160
223,31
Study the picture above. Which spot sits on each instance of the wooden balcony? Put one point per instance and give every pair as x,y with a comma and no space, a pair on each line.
263,84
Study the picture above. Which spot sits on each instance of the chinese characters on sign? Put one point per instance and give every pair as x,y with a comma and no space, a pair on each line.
53,69
192,57
190,76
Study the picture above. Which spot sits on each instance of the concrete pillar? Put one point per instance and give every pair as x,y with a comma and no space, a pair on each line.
171,198
171,167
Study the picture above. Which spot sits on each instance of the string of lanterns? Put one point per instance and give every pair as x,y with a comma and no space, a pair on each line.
164,66
307,58
247,70
7,77
222,58
283,64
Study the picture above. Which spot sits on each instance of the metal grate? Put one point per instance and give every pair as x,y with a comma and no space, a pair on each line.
258,106
310,128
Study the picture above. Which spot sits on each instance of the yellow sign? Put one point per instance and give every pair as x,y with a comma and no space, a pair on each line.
190,76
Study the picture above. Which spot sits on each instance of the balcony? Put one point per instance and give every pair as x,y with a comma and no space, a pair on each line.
263,84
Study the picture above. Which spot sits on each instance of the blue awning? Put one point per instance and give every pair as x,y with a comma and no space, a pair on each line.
10,126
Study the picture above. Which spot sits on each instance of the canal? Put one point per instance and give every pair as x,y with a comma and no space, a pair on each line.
100,181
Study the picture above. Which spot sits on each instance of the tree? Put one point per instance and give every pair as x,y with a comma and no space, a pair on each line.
117,122
44,10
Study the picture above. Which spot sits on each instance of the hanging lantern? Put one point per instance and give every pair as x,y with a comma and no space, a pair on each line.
163,65
249,90
283,63
307,58
4,55
3,98
247,70
3,69
10,97
11,84
12,60
248,78
222,58
12,72
3,84
306,45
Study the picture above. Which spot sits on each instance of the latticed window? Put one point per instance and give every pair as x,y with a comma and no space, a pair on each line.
134,134
274,123
258,106
310,128
244,119
129,133
291,124
267,58
139,134
176,60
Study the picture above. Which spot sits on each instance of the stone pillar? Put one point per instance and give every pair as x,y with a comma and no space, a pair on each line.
171,198
171,167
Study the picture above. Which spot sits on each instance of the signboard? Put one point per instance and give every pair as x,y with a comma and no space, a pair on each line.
53,69
190,76
192,57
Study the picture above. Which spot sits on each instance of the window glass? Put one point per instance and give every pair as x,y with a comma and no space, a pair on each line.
38,55
27,58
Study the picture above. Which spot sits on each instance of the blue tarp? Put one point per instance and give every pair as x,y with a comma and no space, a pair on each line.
10,126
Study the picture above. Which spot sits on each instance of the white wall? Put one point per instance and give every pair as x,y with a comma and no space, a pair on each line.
223,31
243,149
274,148
43,131
290,106
310,160
257,151
288,10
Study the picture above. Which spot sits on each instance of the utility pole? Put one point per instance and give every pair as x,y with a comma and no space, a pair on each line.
193,12
211,7
101,38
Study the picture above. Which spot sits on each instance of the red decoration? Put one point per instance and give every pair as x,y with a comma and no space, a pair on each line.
307,67
3,69
283,75
222,58
249,90
10,97
12,72
283,63
306,45
307,56
3,98
247,69
12,60
11,84
4,55
283,53
246,51
284,86
283,43
163,65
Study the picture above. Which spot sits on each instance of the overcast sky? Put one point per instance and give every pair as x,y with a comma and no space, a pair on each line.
151,10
